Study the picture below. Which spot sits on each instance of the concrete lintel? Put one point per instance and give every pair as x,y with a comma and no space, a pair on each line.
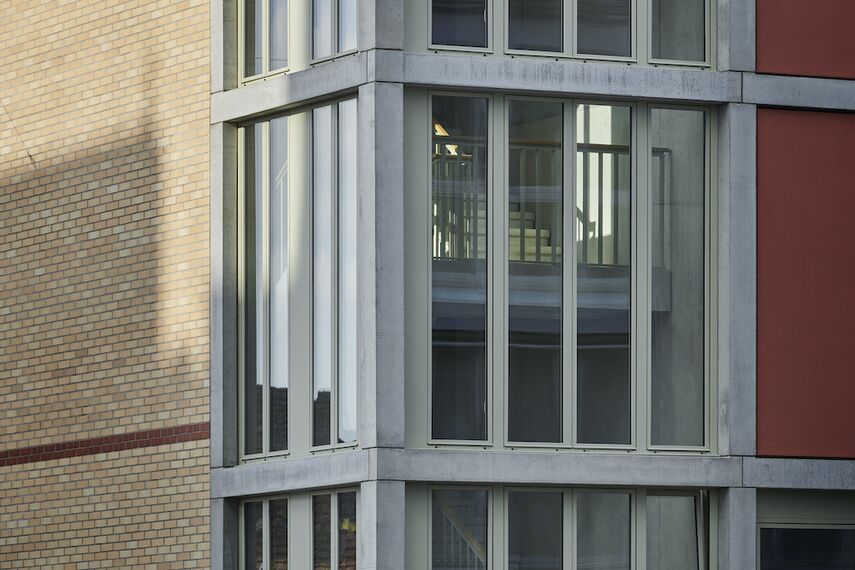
223,299
536,75
737,36
382,514
737,279
322,471
737,545
283,92
808,92
537,468
814,474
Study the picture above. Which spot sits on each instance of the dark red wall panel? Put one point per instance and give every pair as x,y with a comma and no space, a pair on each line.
806,284
806,37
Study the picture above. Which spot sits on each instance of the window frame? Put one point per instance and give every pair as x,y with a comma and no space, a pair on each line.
265,527
265,454
333,494
266,73
335,293
641,42
497,283
334,24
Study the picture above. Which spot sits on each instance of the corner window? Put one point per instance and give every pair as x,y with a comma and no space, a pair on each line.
264,534
335,255
263,270
602,344
334,27
264,28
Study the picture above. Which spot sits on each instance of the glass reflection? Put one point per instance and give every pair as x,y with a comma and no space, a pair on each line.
535,210
278,276
253,307
807,548
459,23
604,27
278,512
603,273
459,268
603,531
321,538
535,25
252,33
535,534
678,29
347,531
253,536
278,34
672,539
322,28
459,529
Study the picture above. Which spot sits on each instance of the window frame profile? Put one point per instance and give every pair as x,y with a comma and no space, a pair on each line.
265,526
266,72
420,414
334,545
335,26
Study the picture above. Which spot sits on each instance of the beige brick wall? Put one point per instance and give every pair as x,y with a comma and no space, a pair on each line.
104,266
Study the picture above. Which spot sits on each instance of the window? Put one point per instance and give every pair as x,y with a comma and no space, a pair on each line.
265,37
603,344
556,528
264,534
647,31
334,27
334,531
335,254
263,268
814,547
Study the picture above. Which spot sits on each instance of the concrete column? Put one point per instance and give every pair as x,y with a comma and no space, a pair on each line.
737,536
381,525
223,295
223,45
224,534
737,35
381,24
737,279
381,269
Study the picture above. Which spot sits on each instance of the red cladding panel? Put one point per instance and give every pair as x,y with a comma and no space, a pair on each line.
806,37
806,284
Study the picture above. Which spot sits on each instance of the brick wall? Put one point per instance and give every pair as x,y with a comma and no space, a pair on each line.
104,266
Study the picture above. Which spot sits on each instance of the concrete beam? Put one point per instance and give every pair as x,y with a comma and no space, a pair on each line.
737,524
815,474
223,297
544,76
737,279
737,36
808,92
545,468
283,92
342,469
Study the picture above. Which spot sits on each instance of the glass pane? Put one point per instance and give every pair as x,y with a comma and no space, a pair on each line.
535,246
348,253
678,29
279,534
672,539
278,284
348,18
321,528
278,34
252,63
459,23
347,531
322,28
535,25
253,342
324,273
604,27
807,548
603,531
535,523
677,257
603,272
253,536
459,269
459,530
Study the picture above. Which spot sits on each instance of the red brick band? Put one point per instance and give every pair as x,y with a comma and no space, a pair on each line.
119,442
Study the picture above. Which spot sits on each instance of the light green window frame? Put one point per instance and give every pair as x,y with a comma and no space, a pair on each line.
265,526
418,141
266,72
334,529
419,527
335,31
418,35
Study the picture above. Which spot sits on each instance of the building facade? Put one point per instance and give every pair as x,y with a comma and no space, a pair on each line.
427,284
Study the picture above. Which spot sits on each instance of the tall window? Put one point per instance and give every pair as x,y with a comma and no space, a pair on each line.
264,534
335,255
265,36
334,531
601,344
264,288
676,30
334,27
555,528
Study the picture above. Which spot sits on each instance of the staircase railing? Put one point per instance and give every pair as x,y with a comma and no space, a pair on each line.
460,550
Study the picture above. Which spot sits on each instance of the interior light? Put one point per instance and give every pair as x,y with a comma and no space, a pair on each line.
438,129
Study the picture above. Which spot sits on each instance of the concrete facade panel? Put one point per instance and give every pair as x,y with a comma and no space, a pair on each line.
805,303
